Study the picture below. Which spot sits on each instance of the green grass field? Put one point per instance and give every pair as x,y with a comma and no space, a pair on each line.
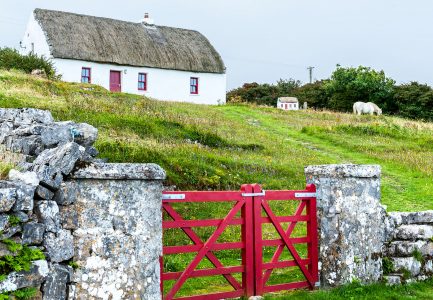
221,147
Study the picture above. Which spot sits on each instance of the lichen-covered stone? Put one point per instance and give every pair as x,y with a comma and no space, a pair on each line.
120,171
25,195
29,145
54,287
59,246
66,194
85,135
407,218
118,239
62,158
414,232
33,233
29,178
68,217
56,133
4,222
44,193
48,176
351,222
428,267
48,214
34,277
407,248
392,280
407,263
22,216
8,196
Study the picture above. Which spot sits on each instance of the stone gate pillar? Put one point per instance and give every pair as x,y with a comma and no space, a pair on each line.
351,222
117,228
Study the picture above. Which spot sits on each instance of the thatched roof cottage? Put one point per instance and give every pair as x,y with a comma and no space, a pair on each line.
288,103
161,62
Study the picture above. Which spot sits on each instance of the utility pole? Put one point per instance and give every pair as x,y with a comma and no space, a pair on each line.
310,70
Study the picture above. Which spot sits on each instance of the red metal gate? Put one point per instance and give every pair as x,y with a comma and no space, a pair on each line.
251,210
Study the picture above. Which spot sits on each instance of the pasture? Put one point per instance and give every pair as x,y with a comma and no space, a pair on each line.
221,147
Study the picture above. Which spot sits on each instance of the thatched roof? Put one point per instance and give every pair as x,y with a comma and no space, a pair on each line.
81,37
288,100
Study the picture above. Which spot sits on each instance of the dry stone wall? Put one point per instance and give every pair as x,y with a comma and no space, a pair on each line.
409,250
97,224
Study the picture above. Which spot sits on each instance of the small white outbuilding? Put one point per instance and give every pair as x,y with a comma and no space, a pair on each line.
288,103
160,62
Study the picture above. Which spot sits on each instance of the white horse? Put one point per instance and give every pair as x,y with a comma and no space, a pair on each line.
370,108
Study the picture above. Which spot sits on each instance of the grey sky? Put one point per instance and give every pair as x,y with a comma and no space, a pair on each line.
263,41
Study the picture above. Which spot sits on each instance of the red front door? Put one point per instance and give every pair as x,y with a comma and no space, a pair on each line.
115,84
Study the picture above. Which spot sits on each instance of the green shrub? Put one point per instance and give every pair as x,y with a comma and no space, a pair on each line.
263,94
11,59
418,255
387,266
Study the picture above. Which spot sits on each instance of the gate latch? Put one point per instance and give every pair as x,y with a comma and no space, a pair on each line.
254,194
173,196
305,195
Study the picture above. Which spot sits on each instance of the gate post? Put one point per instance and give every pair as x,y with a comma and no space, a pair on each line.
247,240
117,221
351,222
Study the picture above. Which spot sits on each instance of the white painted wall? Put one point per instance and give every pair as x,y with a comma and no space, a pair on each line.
35,35
290,106
169,85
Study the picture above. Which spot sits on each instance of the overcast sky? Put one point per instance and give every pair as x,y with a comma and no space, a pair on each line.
264,41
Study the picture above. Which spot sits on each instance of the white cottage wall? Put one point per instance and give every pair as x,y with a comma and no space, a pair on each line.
34,39
169,85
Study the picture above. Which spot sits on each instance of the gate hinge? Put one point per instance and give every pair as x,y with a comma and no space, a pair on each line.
254,194
305,195
173,196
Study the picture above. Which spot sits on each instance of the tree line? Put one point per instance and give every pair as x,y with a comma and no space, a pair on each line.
345,87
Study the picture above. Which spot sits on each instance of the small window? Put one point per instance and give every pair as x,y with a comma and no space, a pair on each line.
142,81
194,85
85,75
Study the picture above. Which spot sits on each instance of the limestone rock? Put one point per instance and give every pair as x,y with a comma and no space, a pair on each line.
29,145
407,248
8,196
56,133
120,171
55,286
49,176
414,232
6,128
29,178
44,193
61,159
407,218
66,194
59,246
407,263
33,233
31,115
85,135
17,280
4,222
392,279
428,267
22,216
69,217
48,214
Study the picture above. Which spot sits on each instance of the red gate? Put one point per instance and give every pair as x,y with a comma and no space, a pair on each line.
252,211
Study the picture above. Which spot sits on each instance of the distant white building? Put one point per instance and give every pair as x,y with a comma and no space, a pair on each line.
161,62
288,103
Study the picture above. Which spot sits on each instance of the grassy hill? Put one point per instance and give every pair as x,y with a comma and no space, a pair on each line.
221,147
